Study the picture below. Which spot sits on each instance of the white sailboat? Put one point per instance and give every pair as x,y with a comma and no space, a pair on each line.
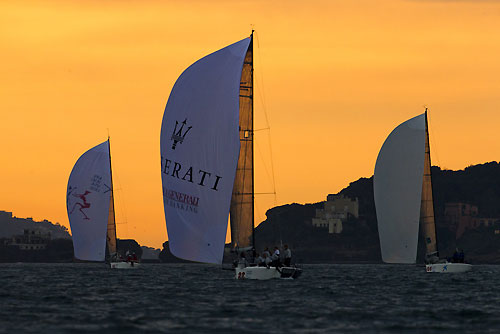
402,185
207,159
90,206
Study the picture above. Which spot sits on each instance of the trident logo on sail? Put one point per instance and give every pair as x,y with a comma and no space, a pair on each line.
177,136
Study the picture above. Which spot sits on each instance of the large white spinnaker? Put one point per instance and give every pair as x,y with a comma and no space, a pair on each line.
87,202
397,186
199,147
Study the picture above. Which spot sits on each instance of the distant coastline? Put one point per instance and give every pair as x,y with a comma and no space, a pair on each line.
467,216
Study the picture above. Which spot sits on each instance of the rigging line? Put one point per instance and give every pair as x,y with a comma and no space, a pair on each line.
262,129
263,102
119,197
272,168
257,208
261,193
261,90
262,157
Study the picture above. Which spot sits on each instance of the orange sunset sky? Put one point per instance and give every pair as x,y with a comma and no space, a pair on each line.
333,77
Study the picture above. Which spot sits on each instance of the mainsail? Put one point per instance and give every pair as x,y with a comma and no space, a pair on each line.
397,185
242,201
199,146
88,199
111,231
427,206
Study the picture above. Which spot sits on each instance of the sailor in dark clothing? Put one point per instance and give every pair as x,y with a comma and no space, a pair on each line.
455,256
288,256
461,257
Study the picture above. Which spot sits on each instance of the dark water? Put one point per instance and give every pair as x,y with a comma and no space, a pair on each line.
90,298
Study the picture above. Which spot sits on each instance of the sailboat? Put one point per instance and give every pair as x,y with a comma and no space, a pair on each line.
207,159
402,186
91,209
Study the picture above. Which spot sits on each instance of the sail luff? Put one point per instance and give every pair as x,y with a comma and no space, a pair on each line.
111,230
242,199
427,204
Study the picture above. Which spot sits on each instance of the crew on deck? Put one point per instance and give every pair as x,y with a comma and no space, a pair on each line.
266,252
267,259
242,262
288,256
276,258
458,256
259,260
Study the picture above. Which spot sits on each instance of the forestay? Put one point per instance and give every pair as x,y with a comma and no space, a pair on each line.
397,187
199,147
87,201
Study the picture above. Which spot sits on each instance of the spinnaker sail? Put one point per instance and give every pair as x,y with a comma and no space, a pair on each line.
397,187
88,203
199,146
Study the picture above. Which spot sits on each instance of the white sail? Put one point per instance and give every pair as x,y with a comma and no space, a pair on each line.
87,202
397,186
199,147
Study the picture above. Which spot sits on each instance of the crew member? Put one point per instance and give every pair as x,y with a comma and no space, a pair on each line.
242,262
266,252
288,256
267,260
259,260
276,257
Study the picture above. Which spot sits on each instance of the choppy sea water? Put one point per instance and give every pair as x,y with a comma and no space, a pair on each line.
182,298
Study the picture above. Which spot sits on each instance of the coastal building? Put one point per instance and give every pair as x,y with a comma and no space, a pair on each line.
462,216
30,240
336,210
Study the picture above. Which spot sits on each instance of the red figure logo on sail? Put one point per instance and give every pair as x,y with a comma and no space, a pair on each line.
85,204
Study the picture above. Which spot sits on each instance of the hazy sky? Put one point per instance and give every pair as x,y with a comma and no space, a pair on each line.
334,78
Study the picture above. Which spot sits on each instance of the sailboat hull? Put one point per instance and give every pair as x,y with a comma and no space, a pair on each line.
265,273
448,267
124,265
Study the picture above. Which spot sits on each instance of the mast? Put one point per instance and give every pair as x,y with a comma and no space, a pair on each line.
427,204
111,235
253,163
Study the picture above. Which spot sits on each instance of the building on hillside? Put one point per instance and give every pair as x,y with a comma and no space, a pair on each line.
5,215
462,216
336,210
30,240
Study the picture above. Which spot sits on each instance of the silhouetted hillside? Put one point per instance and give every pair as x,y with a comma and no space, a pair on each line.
358,242
479,185
11,225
